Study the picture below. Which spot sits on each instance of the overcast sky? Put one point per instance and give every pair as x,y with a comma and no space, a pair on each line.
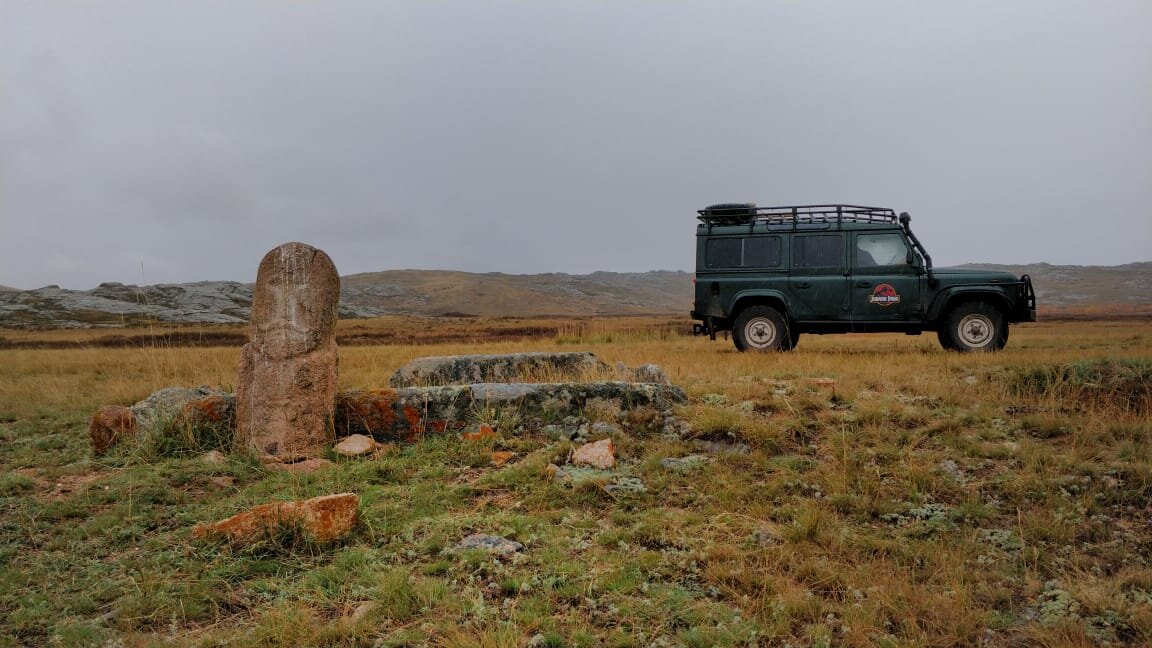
147,142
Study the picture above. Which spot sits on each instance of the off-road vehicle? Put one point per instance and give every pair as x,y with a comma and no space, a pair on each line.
769,274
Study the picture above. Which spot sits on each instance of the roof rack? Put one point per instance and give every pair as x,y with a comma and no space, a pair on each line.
750,214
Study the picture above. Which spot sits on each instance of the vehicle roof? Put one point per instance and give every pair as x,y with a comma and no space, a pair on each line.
704,229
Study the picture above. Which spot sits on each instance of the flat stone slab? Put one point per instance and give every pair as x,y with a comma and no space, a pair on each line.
507,368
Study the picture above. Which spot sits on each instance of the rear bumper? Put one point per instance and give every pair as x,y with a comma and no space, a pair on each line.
1025,310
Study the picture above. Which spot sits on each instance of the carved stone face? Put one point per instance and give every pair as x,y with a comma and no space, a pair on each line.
295,302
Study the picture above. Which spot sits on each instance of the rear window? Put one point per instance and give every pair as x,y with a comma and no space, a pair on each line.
749,252
822,251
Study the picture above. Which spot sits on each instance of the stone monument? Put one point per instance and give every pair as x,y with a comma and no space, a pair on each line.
286,388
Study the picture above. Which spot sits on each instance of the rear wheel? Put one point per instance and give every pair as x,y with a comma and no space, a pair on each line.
762,328
974,326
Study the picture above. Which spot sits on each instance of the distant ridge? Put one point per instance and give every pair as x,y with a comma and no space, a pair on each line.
1070,285
464,294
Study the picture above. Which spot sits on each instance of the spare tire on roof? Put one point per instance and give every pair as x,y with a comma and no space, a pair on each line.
730,209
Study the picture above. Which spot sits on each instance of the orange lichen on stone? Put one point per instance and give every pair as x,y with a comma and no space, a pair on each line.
478,432
210,409
501,457
323,519
412,416
368,412
108,425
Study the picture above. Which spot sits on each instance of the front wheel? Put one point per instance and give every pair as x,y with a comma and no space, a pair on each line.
974,326
762,328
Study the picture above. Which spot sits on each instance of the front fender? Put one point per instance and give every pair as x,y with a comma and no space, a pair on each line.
947,296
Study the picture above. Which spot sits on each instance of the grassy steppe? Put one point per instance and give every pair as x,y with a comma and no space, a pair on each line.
924,499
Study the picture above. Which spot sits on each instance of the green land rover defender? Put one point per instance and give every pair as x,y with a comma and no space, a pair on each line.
769,274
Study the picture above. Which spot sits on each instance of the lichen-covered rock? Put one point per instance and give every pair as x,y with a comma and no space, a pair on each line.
322,519
110,424
512,367
495,544
286,387
166,406
214,409
650,373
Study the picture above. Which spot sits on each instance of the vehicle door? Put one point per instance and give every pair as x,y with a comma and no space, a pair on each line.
818,280
734,264
885,286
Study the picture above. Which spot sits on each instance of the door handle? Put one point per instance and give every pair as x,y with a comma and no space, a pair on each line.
863,284
804,284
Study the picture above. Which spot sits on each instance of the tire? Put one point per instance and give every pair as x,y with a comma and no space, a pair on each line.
762,328
974,326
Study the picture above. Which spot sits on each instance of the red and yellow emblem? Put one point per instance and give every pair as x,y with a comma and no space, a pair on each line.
884,295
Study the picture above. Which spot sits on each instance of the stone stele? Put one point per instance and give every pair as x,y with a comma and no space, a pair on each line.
286,388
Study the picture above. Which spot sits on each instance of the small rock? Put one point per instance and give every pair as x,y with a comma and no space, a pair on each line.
821,382
971,380
478,431
626,485
355,445
766,536
214,457
683,464
578,475
501,457
362,611
495,544
600,428
714,447
300,467
110,424
600,454
949,467
324,519
650,373
561,432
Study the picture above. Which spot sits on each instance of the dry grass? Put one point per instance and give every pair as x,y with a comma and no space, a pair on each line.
923,499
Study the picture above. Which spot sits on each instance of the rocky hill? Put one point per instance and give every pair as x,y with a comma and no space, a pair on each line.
442,292
394,292
1060,286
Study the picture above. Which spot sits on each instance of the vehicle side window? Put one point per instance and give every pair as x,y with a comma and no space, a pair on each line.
750,252
880,250
823,251
723,253
762,252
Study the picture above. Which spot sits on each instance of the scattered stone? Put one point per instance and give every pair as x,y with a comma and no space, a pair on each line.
323,519
355,445
214,457
362,611
564,432
110,424
578,475
501,457
601,454
715,447
970,380
766,536
478,432
286,388
601,428
507,368
821,382
303,467
683,464
650,373
626,485
950,468
493,543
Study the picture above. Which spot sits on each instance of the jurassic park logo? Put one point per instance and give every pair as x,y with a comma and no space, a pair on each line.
884,295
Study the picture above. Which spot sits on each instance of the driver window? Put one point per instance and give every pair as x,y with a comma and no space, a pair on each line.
880,250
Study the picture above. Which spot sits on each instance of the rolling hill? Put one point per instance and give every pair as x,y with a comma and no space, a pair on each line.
450,293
